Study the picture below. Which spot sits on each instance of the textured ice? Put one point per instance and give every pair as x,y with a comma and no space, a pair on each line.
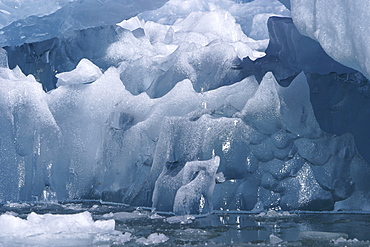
340,28
194,195
154,51
204,47
33,21
25,117
168,142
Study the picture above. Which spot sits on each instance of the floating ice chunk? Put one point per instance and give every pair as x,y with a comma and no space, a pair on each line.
275,239
154,238
85,72
184,219
58,230
127,216
321,236
275,214
343,241
191,234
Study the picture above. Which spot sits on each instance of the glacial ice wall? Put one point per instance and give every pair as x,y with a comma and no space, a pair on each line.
29,21
177,109
341,27
260,143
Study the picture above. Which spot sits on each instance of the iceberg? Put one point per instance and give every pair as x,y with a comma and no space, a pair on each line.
181,106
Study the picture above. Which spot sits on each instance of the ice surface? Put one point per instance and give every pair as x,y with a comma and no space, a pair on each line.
340,28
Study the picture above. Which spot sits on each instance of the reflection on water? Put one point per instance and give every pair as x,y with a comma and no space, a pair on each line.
217,229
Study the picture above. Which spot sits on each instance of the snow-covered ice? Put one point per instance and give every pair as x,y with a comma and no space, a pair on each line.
58,230
85,72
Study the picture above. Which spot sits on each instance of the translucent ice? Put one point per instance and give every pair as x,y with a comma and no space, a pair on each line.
34,21
263,109
334,26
